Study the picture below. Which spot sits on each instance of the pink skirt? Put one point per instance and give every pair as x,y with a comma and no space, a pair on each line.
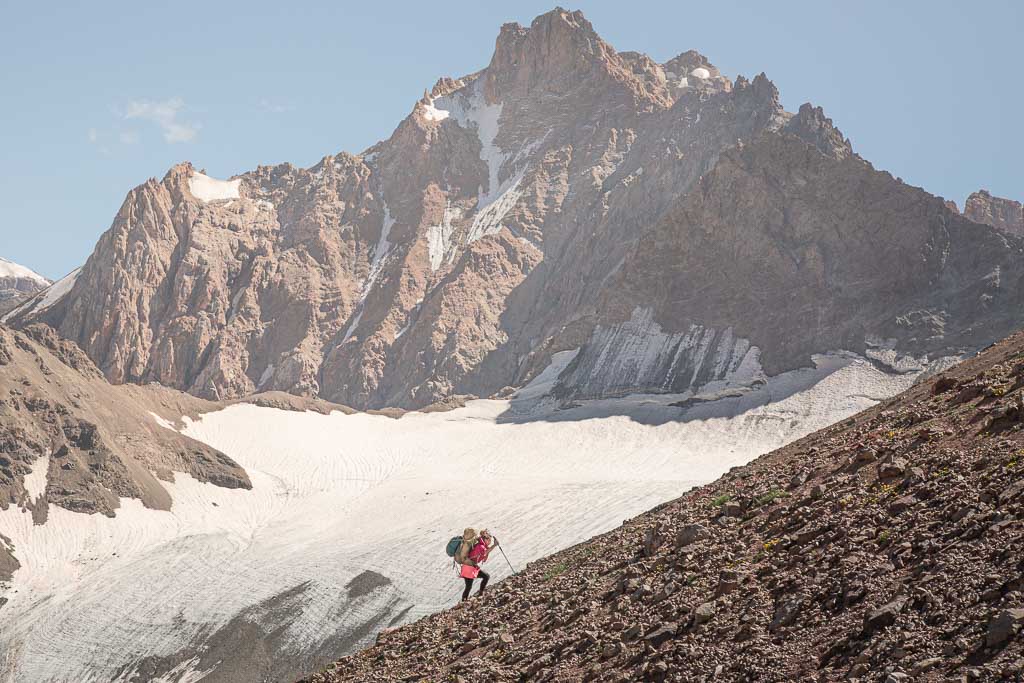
468,571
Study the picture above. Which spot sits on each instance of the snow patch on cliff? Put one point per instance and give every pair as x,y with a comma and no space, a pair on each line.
410,318
440,238
487,221
380,252
470,109
35,481
47,298
57,290
268,374
538,391
207,189
432,113
637,355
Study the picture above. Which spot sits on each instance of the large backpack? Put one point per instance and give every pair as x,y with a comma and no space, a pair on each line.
453,546
458,549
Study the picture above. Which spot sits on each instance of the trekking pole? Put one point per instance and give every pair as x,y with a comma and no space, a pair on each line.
506,558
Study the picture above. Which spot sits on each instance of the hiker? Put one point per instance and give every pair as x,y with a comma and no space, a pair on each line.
474,551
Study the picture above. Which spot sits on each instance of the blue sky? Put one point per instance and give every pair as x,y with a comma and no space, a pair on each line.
98,97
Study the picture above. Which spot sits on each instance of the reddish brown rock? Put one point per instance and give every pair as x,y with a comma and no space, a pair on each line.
1005,214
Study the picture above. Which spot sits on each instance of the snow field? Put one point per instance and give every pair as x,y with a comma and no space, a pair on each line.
334,496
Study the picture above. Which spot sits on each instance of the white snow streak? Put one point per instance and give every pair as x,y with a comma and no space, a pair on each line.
207,189
488,220
268,374
639,353
380,251
540,386
166,424
405,328
409,318
469,108
440,238
351,329
57,290
35,481
48,297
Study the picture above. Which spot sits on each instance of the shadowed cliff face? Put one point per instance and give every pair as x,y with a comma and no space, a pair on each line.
790,251
517,212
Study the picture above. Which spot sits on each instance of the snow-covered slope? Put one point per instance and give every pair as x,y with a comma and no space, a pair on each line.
17,283
10,269
348,515
50,295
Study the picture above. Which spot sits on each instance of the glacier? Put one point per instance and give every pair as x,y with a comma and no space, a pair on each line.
343,531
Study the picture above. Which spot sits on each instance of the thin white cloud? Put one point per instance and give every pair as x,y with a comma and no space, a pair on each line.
275,107
164,113
128,137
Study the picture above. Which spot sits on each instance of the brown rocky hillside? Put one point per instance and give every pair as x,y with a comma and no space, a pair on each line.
886,548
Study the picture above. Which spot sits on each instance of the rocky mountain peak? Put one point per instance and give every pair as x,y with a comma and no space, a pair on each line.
1006,215
555,37
444,86
812,126
560,53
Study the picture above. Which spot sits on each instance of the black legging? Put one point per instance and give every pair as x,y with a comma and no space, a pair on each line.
483,576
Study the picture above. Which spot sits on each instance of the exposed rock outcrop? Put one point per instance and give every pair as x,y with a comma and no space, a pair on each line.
1005,214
